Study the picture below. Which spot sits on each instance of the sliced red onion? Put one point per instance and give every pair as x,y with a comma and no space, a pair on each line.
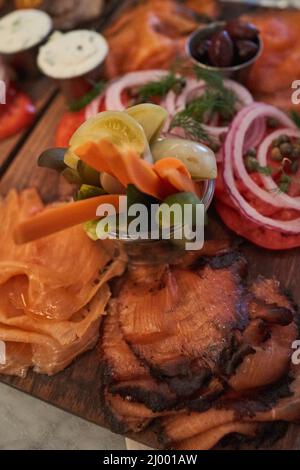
92,109
114,91
196,88
269,183
255,134
242,120
257,111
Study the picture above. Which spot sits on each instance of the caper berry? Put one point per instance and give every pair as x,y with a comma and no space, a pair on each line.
282,139
296,152
251,152
294,167
276,154
286,149
251,163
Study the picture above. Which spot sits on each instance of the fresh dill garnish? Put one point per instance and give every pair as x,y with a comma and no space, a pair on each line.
79,104
216,100
265,170
160,88
296,117
192,128
212,79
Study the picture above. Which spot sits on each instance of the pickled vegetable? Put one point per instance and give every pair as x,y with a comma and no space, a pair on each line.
111,185
198,159
188,203
86,191
151,117
53,159
88,174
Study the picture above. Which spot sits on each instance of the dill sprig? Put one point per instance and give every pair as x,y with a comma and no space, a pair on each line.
192,128
215,100
160,88
79,104
296,117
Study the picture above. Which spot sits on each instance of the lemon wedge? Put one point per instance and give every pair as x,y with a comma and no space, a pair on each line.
151,117
118,127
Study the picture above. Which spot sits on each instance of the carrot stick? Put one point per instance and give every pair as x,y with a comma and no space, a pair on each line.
169,163
96,155
61,217
176,174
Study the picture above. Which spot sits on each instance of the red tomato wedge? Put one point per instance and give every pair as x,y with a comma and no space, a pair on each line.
265,238
238,223
68,124
17,114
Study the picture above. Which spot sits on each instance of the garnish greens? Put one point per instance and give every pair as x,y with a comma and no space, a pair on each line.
296,117
161,87
79,104
216,99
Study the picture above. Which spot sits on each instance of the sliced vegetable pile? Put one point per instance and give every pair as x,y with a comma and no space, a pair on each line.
259,187
200,104
122,152
256,146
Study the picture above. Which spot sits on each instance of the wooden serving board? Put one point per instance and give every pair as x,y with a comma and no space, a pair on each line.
76,389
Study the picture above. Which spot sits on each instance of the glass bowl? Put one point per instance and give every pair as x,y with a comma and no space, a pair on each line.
153,252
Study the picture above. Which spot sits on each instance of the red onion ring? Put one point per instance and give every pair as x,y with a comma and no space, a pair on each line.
191,91
113,99
243,118
92,109
258,111
269,183
254,136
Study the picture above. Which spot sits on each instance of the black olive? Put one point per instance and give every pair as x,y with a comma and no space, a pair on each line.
241,30
201,50
286,149
221,51
246,49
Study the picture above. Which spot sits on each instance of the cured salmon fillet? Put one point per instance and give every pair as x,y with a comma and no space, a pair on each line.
183,328
271,77
50,305
220,346
153,35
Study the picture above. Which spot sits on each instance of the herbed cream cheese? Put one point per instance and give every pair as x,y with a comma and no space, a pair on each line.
23,29
72,54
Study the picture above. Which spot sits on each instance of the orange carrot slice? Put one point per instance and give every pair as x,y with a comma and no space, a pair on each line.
169,163
61,217
176,174
95,155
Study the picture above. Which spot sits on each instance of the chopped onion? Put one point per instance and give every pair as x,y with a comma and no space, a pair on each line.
233,155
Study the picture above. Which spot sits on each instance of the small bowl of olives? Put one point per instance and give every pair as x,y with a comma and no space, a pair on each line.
226,47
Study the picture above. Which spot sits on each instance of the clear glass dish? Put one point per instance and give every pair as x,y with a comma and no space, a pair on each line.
151,252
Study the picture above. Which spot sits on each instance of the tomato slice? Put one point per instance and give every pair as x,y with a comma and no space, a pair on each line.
69,124
238,223
266,238
17,114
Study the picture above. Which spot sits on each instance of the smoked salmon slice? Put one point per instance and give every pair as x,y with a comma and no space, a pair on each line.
53,292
